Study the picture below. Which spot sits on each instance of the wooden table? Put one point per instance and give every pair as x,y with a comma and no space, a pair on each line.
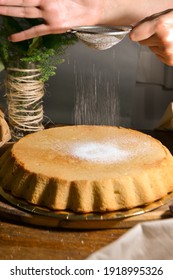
21,241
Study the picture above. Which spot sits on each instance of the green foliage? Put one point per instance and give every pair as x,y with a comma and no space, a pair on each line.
45,51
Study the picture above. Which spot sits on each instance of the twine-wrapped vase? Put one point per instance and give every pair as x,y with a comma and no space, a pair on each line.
24,92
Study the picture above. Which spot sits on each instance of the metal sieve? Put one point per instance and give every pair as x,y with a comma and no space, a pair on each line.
101,37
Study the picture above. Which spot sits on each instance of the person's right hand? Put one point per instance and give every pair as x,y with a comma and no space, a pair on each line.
58,15
156,32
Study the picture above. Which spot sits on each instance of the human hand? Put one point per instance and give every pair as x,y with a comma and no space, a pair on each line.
156,32
58,15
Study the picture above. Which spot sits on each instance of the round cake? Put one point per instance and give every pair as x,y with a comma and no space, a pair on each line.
87,169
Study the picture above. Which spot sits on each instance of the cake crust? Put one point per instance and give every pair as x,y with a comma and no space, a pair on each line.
87,169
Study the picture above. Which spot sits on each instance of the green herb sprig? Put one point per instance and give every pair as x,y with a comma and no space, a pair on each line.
44,51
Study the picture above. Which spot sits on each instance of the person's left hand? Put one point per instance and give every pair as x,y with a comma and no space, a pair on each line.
58,16
156,32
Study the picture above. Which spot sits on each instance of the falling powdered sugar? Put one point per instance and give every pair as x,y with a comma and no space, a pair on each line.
99,152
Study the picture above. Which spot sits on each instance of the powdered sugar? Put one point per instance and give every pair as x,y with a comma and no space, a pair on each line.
99,152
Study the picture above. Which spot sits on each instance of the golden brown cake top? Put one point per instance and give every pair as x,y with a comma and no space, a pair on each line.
88,152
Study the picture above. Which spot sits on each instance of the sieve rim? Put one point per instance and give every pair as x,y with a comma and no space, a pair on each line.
102,30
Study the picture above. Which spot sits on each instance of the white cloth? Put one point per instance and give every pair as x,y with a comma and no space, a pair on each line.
145,241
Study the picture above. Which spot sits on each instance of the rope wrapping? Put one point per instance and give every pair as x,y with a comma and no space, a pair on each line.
24,92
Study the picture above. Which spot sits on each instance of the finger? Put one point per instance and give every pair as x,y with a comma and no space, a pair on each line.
26,3
168,61
152,41
163,58
158,51
158,25
167,53
142,31
164,55
21,12
33,32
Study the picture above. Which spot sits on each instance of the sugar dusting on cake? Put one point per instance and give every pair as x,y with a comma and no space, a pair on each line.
106,151
99,152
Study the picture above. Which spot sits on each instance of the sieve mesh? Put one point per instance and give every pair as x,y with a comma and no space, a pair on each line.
101,37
